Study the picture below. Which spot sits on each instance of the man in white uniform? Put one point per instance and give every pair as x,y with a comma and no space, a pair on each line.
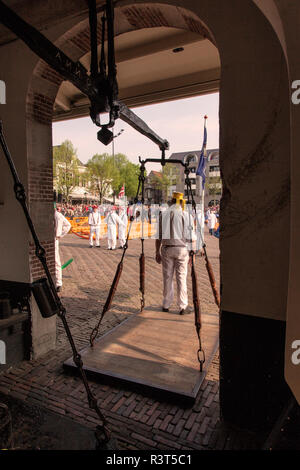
112,219
62,227
94,223
122,229
212,219
172,253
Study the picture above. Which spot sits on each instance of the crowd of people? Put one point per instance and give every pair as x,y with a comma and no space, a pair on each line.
83,210
119,215
173,241
74,210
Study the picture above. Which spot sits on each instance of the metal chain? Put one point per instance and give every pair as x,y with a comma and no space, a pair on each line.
40,252
200,352
142,274
208,265
95,330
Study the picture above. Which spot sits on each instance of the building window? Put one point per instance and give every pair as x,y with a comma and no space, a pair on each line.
214,202
192,158
213,168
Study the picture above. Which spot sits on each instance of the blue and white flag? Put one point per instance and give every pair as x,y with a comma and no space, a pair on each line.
202,159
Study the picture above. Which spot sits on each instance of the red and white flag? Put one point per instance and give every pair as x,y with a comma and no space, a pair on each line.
122,192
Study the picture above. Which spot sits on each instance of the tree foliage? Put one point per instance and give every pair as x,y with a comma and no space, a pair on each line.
102,173
105,174
166,178
65,167
214,185
127,174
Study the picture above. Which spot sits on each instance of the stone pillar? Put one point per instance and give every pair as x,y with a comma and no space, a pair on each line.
255,218
255,210
31,150
31,88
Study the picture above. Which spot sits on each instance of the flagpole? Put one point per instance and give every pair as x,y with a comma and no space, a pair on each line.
201,172
203,190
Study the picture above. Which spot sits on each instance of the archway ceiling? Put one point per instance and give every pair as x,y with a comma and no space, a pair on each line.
149,71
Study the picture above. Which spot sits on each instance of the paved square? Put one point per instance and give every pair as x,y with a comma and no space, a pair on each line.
136,420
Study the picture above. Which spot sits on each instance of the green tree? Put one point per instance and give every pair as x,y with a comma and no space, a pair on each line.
214,185
126,173
65,167
102,174
166,178
108,173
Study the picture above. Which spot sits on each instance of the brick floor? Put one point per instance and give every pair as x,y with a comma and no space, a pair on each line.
136,421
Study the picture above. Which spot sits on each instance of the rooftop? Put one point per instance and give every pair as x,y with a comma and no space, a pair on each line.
213,153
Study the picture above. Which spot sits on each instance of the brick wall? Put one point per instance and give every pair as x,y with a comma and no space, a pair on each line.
36,267
134,17
40,108
145,16
40,187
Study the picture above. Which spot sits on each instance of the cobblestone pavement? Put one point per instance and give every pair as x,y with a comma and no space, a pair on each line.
136,420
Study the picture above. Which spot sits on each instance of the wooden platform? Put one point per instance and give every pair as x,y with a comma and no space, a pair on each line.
154,351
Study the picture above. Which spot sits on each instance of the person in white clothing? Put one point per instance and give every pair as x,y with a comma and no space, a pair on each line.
172,252
122,229
95,223
112,219
62,227
212,219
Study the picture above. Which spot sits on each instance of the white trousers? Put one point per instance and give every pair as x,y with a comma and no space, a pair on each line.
175,260
58,270
95,229
122,235
111,236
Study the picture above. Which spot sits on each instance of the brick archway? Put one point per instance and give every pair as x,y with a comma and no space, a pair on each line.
46,82
254,144
251,143
76,43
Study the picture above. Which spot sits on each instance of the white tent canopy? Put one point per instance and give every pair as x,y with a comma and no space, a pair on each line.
79,192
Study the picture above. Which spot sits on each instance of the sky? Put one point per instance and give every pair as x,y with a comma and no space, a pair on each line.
180,122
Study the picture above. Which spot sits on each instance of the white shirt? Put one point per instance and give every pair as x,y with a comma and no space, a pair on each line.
62,225
123,217
212,220
174,227
112,219
95,219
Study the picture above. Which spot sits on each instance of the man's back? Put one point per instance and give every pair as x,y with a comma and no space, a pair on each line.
172,227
